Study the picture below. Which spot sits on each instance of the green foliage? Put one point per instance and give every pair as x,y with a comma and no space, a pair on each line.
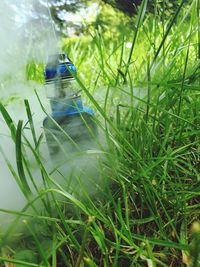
111,22
164,10
130,7
150,119
34,71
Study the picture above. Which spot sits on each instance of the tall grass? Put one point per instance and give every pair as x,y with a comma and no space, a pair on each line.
146,102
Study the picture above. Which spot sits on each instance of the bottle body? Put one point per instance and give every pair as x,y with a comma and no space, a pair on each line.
71,128
71,131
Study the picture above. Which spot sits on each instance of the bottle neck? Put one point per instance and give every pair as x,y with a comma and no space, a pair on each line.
62,89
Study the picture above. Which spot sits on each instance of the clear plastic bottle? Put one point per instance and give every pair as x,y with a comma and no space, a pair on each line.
71,125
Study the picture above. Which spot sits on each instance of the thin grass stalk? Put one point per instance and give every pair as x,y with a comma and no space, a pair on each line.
84,241
198,19
140,19
8,121
183,80
163,33
19,159
120,61
155,26
67,228
39,247
172,22
40,217
54,249
16,137
19,262
149,91
30,118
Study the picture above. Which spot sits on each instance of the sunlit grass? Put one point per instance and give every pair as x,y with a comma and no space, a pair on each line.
146,103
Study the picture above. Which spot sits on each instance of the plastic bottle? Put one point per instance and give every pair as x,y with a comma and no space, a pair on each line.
71,126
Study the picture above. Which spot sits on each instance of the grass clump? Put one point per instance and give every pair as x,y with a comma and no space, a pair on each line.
146,101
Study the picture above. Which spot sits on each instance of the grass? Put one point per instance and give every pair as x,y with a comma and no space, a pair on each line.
146,103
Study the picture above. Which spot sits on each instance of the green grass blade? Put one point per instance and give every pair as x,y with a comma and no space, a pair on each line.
19,159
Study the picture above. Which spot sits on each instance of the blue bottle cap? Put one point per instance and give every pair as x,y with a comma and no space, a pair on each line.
59,66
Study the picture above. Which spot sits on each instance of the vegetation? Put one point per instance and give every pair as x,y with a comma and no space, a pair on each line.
142,79
128,7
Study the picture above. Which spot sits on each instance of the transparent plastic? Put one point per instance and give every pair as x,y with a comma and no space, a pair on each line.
62,88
